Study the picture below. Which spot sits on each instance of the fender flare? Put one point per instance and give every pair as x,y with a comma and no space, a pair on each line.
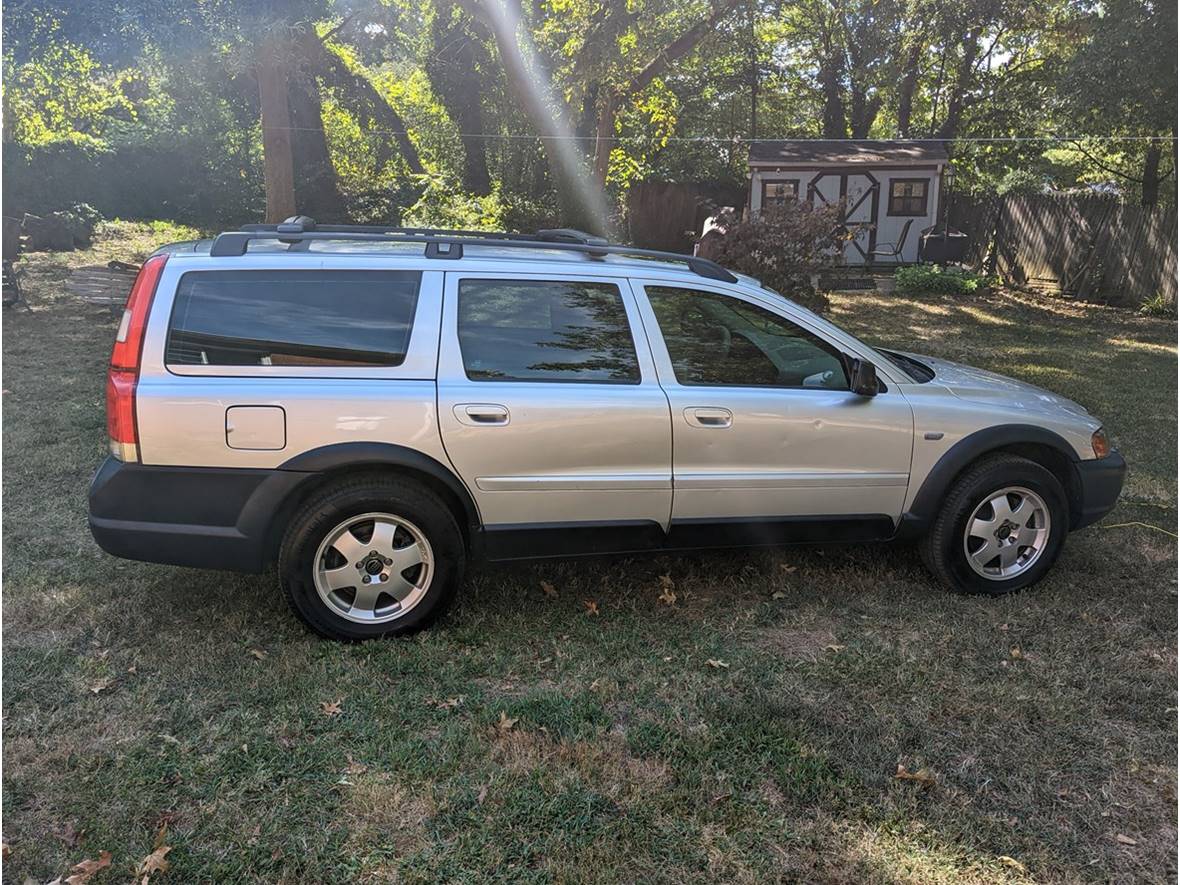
352,455
968,449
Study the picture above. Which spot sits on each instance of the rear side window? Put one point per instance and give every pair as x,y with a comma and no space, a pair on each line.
351,318
538,330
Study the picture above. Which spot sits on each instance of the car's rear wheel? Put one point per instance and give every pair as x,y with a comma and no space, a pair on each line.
371,556
1000,529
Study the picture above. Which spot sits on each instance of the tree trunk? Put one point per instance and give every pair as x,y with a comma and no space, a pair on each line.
452,72
316,190
834,123
864,113
278,163
956,103
1151,174
907,88
604,137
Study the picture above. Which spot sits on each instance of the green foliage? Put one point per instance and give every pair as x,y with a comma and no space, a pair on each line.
781,247
1158,306
441,205
65,96
930,279
1024,182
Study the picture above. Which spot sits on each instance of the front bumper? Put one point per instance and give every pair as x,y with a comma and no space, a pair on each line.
196,516
1099,483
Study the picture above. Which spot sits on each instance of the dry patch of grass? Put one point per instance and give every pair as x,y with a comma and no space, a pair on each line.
603,765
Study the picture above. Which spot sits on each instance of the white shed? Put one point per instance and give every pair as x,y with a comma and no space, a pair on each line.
890,189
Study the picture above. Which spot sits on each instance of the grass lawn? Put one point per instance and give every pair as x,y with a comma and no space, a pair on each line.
751,731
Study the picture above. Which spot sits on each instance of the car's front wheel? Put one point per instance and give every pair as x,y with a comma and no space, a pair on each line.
1000,529
372,556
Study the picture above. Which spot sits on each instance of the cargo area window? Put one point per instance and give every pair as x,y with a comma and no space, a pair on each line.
350,318
541,330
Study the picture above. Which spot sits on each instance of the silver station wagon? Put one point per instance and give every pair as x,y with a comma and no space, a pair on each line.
372,408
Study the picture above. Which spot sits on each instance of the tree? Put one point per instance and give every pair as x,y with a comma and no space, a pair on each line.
1122,82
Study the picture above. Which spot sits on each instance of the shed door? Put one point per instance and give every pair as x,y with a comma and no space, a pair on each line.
860,192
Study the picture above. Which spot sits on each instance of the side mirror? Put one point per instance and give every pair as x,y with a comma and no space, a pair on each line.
862,377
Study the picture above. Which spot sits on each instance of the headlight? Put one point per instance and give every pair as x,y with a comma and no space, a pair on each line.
1099,443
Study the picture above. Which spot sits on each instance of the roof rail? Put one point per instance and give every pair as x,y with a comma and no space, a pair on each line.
299,231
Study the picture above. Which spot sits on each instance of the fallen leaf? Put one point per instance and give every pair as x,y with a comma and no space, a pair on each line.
355,767
721,797
67,834
82,872
1125,840
922,776
153,863
506,722
332,708
667,596
1013,863
549,590
1017,653
778,594
131,669
258,653
5,851
591,607
717,664
835,648
666,582
101,685
482,794
788,569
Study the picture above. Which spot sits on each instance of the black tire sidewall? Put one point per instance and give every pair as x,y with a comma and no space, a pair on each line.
410,502
1011,473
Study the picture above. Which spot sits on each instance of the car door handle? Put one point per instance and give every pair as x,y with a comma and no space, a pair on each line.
708,417
481,414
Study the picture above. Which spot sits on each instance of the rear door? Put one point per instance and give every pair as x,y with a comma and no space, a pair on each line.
552,414
766,434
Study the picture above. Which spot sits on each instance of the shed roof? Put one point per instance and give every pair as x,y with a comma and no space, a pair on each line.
836,151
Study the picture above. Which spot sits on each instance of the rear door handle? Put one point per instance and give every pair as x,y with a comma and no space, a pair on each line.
700,416
481,414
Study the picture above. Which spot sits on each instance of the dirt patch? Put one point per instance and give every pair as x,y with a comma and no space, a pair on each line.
795,644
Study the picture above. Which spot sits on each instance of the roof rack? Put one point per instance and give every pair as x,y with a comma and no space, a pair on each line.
300,231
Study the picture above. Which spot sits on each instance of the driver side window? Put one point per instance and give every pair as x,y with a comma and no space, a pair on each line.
718,341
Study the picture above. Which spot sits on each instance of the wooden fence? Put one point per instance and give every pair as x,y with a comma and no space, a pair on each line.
669,215
1090,247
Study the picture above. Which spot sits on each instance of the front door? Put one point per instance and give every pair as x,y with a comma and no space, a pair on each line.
767,437
552,414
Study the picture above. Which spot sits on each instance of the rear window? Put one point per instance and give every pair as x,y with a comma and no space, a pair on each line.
541,330
292,318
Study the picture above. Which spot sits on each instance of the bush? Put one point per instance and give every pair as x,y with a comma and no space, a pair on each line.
1158,306
930,279
782,247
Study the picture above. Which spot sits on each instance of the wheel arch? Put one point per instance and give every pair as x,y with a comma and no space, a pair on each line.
328,464
1037,444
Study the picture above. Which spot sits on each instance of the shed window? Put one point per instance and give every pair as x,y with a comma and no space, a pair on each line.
779,193
907,196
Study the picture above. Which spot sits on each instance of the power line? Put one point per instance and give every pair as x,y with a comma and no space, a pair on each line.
738,139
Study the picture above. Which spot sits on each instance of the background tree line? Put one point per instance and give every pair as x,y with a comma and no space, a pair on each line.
507,113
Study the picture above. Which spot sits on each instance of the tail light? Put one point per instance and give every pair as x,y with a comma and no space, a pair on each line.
126,356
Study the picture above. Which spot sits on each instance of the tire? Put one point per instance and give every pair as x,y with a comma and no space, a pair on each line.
410,527
963,561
